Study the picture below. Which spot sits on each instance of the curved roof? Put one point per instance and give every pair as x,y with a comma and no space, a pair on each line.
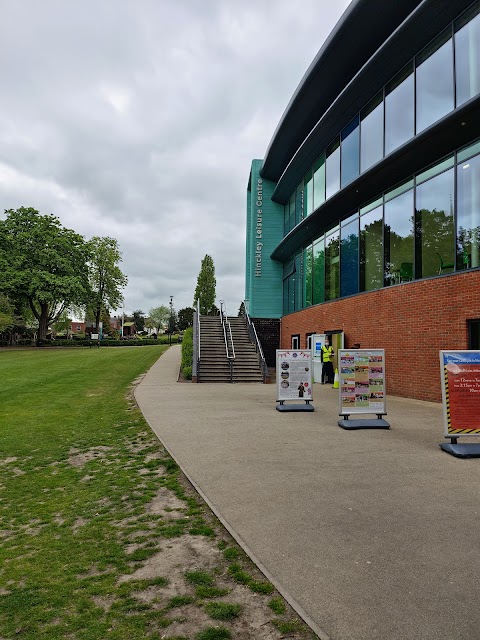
340,58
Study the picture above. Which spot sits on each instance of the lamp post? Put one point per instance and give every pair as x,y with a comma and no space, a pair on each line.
171,320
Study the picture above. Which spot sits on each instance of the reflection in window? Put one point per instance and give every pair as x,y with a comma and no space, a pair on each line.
434,75
289,287
350,152
332,266
308,262
299,280
349,259
371,250
308,194
319,182
398,239
319,271
371,148
399,110
468,213
333,168
434,226
467,55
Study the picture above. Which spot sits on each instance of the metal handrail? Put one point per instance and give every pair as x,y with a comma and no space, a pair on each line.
225,322
198,331
252,332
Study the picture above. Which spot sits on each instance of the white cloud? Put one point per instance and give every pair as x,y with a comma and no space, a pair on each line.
139,121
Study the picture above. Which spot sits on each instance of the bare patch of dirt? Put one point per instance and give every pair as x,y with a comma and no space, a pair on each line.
79,459
166,503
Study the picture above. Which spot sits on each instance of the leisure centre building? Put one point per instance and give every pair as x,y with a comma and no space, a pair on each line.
364,216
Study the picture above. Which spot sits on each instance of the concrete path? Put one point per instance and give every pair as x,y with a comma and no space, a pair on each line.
371,534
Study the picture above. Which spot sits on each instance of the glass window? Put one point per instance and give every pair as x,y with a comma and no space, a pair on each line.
434,77
433,171
468,152
468,213
289,287
308,262
398,239
371,205
319,271
319,182
398,190
291,221
308,194
371,250
333,168
434,226
349,258
299,204
299,282
371,128
350,152
399,110
467,55
332,266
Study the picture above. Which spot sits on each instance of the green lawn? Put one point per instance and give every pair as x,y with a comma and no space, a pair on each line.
79,472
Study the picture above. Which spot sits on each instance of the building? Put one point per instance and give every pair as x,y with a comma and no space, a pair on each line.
364,215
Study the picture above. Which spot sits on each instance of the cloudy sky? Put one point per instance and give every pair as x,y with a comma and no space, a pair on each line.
139,120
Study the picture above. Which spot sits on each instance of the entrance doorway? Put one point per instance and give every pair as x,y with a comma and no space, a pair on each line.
473,334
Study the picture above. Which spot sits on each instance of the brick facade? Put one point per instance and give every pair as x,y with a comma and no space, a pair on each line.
411,321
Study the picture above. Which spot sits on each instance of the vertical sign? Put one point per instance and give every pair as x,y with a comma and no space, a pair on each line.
460,376
362,381
294,375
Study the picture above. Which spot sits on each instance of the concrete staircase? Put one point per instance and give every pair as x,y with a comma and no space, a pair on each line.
214,364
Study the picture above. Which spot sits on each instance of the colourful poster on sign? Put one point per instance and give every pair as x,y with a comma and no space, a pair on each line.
460,375
362,381
294,375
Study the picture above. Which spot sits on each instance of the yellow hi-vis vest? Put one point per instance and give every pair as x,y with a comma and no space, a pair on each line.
327,354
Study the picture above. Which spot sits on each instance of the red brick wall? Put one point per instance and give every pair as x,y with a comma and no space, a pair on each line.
411,321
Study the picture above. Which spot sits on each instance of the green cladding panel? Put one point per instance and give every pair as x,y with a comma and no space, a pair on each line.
263,282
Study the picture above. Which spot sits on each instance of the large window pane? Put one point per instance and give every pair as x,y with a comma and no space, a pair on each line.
468,213
319,182
299,282
308,262
371,127
333,168
398,243
299,215
349,259
308,194
434,75
399,110
467,55
371,250
291,222
319,271
332,266
289,287
350,152
434,226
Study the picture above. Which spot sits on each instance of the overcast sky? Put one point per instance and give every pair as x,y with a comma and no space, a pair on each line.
139,120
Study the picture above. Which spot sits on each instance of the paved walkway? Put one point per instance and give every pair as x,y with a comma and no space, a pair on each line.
371,534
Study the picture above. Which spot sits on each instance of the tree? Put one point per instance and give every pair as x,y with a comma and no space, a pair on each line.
241,310
185,318
158,318
139,319
7,318
205,289
105,276
43,265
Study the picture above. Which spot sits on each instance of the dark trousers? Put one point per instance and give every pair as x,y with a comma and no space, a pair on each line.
327,372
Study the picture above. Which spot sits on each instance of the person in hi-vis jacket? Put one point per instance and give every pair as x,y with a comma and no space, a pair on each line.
327,362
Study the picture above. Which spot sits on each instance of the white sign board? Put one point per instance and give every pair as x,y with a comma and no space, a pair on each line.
318,340
294,375
94,336
362,381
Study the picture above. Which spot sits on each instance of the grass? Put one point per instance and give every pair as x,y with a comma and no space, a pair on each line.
78,467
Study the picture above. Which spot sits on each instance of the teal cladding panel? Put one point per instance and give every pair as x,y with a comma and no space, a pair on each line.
264,276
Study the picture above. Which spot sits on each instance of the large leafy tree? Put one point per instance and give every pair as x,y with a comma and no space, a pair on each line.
205,289
106,278
43,265
139,320
158,317
185,318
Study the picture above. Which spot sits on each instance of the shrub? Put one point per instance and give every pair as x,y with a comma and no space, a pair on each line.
187,353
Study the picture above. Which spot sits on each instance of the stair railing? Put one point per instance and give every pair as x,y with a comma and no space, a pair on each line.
227,335
198,339
252,332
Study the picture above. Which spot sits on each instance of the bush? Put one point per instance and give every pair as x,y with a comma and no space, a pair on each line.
187,353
